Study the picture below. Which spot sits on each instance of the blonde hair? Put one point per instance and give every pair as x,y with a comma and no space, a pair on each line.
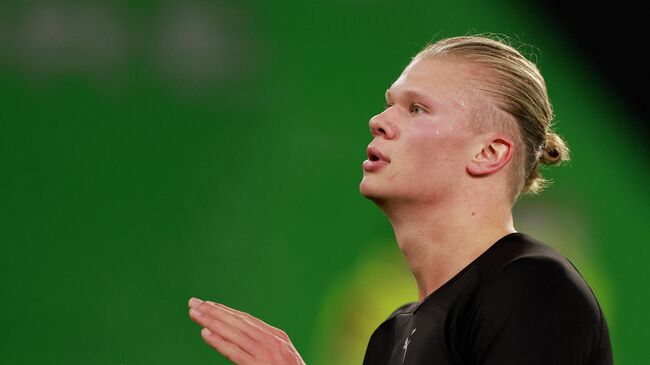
518,88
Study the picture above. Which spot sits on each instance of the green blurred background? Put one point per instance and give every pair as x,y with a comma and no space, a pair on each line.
155,151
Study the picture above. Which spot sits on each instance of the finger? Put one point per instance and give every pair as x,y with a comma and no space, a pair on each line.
227,332
256,321
193,302
230,350
238,322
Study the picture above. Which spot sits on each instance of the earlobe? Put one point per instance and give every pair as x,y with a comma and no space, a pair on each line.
491,157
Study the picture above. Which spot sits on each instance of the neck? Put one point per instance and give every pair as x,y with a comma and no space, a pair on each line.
439,241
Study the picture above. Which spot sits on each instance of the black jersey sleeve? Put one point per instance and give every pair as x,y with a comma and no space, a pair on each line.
537,310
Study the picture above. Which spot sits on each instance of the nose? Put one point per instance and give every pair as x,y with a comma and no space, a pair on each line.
379,126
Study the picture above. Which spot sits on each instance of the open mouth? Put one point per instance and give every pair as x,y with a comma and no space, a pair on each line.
375,155
375,160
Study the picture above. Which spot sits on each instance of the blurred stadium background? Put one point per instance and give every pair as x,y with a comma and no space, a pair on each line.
152,151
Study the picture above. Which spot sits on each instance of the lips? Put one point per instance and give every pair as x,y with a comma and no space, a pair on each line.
376,160
375,155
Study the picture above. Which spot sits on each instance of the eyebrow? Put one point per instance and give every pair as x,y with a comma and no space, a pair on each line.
413,94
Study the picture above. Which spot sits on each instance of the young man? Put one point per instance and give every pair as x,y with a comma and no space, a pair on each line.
465,128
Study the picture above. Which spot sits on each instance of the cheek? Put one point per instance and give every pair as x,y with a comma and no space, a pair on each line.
436,143
436,149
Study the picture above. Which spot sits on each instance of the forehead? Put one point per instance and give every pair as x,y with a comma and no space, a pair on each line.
444,81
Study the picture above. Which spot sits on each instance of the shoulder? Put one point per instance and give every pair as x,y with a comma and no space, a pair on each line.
530,267
543,284
530,304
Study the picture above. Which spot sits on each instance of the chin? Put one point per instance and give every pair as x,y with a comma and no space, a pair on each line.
371,193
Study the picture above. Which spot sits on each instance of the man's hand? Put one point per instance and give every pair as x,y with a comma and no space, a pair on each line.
242,338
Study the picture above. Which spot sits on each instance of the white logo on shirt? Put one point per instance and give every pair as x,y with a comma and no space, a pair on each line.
406,344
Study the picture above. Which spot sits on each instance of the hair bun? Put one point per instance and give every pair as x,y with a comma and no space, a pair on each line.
554,150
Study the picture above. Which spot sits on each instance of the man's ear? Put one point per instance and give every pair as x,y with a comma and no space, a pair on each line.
488,157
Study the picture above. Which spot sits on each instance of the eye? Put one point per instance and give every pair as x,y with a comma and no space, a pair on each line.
417,108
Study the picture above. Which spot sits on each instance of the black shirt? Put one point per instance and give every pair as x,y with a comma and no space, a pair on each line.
520,302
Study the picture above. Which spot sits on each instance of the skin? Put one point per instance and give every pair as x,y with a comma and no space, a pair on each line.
445,188
444,193
240,337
